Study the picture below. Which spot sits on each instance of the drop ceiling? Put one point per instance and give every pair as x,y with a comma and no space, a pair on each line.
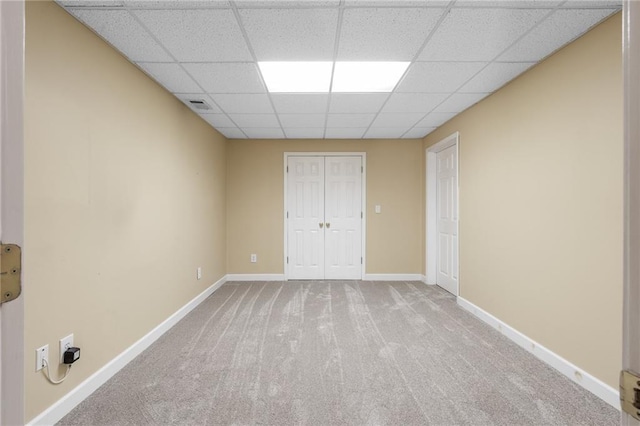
460,52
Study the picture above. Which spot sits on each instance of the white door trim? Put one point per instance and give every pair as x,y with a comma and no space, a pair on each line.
631,294
431,186
12,204
362,155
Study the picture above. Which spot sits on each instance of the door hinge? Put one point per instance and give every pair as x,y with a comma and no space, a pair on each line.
361,261
287,259
630,393
361,215
287,169
10,267
287,215
361,169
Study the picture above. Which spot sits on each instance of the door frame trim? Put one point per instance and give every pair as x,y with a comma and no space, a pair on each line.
363,156
12,18
631,275
431,202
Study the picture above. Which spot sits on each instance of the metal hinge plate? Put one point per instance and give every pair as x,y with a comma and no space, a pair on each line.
630,393
10,265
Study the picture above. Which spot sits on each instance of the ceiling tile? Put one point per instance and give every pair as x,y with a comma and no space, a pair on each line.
294,121
418,132
345,133
120,29
185,97
304,133
479,34
438,77
255,120
350,120
231,132
460,101
291,34
615,4
495,76
391,3
519,4
388,34
357,103
227,77
300,103
217,120
435,119
245,4
385,132
93,3
556,31
264,133
405,120
176,4
172,77
414,102
243,103
205,35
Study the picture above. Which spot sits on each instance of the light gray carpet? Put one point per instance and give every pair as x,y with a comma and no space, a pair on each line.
325,353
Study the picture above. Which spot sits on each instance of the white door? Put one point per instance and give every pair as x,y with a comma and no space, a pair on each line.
324,217
305,187
631,295
447,219
11,205
343,218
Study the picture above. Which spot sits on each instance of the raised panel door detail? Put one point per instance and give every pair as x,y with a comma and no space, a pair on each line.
343,207
447,223
306,211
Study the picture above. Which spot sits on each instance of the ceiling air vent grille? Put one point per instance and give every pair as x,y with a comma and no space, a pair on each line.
198,104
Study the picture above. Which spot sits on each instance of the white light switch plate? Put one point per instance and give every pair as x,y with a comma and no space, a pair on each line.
378,208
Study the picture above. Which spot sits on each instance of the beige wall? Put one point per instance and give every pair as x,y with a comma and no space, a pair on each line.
255,202
125,197
541,202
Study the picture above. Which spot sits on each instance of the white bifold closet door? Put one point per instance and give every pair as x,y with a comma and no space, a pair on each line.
324,224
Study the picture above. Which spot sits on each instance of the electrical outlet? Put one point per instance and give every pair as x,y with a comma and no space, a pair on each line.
199,272
254,258
65,343
42,354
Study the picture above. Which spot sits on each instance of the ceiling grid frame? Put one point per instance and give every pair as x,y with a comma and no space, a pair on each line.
486,80
179,63
551,12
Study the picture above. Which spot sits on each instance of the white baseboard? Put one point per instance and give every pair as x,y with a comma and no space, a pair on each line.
574,373
255,277
68,402
392,277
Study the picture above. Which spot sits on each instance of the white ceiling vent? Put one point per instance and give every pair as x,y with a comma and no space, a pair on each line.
199,104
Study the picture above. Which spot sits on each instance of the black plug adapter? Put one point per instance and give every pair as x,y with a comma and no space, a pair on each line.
71,355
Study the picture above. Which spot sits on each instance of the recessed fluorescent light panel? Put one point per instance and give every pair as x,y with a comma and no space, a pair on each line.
367,76
296,77
315,77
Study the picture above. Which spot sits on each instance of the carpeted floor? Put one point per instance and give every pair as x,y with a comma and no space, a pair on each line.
330,353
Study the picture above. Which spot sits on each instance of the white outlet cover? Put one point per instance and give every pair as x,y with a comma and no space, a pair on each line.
65,343
199,272
41,353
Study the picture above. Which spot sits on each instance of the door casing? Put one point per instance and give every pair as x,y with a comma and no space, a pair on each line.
12,38
631,292
363,156
431,207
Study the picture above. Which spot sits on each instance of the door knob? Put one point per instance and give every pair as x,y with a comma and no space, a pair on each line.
321,224
328,225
